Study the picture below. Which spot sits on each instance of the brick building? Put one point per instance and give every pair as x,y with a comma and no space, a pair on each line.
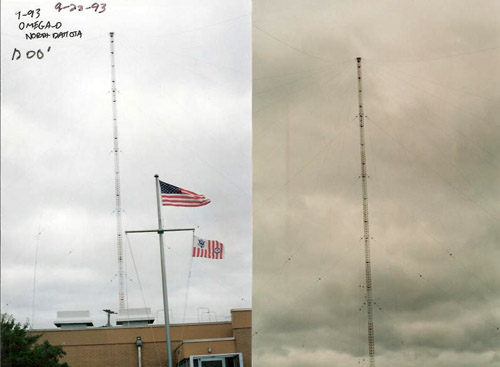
207,344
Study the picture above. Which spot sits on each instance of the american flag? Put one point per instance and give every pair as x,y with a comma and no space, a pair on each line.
208,248
175,196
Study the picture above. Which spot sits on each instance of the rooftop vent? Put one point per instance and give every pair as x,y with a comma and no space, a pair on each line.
73,319
135,317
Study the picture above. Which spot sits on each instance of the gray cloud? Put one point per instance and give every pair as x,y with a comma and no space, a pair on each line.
184,98
430,87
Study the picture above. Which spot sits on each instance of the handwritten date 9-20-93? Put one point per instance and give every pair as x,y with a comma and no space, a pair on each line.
73,7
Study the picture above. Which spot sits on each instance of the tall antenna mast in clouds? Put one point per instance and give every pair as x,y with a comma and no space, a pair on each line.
368,269
121,292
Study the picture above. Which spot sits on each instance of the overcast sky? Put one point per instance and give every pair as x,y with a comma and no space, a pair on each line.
432,95
183,72
432,91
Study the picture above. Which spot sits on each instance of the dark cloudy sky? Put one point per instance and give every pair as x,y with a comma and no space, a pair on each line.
183,73
432,96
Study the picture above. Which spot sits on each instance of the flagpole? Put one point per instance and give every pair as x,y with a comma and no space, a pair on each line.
163,275
192,248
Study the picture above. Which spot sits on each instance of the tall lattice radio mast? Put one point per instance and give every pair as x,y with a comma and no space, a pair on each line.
119,245
368,269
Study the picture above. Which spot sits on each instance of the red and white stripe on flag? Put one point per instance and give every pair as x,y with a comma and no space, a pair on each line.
209,249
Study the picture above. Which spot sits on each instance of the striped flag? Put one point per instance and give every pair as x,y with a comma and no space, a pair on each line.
176,196
207,248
